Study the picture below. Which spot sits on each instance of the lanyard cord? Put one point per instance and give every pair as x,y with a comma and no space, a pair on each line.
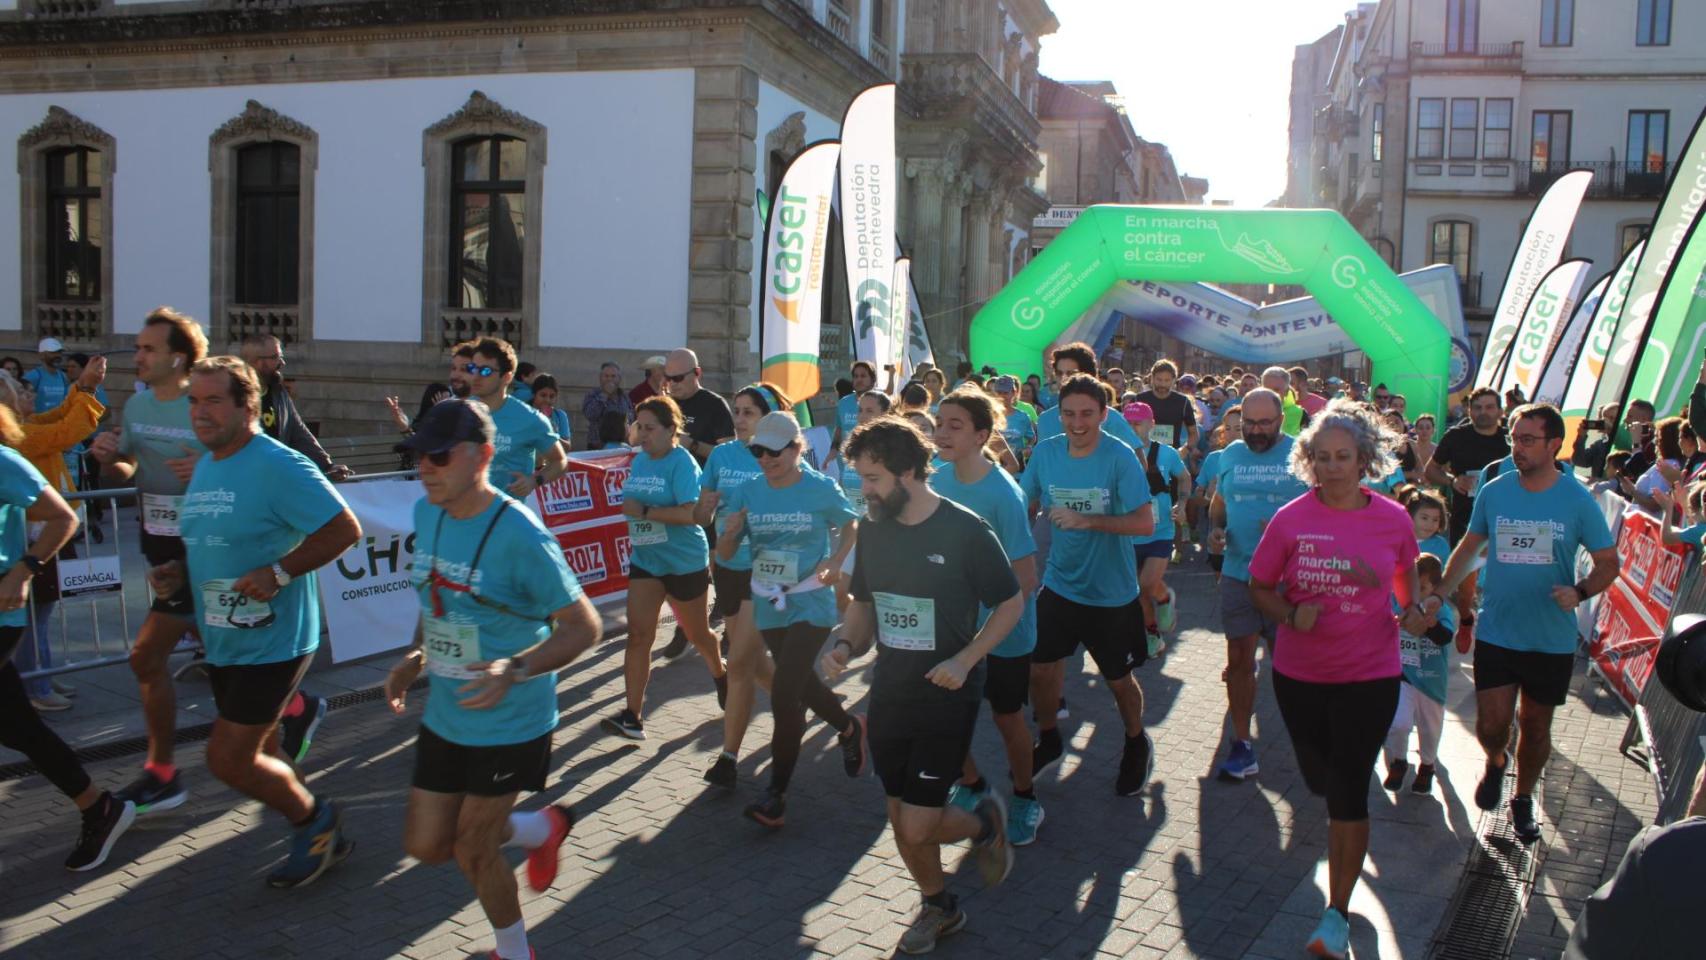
437,580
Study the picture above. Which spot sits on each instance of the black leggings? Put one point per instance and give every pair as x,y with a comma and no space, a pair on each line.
797,687
22,729
1337,730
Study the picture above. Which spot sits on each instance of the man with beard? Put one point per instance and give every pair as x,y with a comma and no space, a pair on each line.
1532,521
1464,451
460,354
279,418
1175,414
608,398
1253,478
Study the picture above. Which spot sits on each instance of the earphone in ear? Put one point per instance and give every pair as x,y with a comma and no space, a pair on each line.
177,361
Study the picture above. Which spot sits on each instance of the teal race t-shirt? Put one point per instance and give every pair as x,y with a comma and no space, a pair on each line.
20,486
1085,566
1427,665
730,465
847,415
1170,466
1019,431
154,432
1532,540
999,501
522,435
665,548
1437,545
520,567
787,529
1254,486
241,513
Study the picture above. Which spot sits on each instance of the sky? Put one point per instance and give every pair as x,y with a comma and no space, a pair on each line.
1211,79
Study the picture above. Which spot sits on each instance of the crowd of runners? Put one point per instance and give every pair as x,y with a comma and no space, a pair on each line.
974,532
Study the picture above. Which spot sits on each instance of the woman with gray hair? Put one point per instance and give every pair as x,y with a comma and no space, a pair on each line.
1326,569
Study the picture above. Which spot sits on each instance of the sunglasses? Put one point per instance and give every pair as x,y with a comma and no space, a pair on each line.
479,370
677,377
760,451
441,458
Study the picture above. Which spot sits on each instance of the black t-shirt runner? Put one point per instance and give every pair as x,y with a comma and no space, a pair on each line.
708,419
1463,449
1176,414
926,583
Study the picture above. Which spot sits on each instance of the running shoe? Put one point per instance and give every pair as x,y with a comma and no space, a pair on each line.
63,689
1167,614
1045,751
150,794
1491,789
1136,764
966,798
855,748
1240,762
1062,713
296,734
1024,816
542,860
933,924
677,644
994,853
315,847
624,724
1523,820
103,824
50,702
768,810
1395,771
1332,937
1424,782
1156,645
722,773
722,683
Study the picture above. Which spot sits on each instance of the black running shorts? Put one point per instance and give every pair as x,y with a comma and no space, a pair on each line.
445,767
255,694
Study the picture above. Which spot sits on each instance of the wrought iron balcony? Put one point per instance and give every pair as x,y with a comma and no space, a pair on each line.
1612,179
1458,57
1470,289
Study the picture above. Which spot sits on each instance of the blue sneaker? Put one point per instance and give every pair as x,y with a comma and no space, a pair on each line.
1240,761
1024,816
316,847
1332,937
964,797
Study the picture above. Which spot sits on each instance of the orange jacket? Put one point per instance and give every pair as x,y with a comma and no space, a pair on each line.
47,436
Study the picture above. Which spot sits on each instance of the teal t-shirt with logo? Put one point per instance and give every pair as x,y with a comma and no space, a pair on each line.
670,481
522,435
999,501
1427,665
1532,538
1254,486
521,567
155,431
847,415
21,485
1437,545
852,484
1020,431
730,465
242,513
1085,566
1170,465
787,529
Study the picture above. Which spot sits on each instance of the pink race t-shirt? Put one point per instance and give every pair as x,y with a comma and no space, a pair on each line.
1348,562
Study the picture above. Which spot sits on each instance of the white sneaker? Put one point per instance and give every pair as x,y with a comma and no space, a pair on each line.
50,703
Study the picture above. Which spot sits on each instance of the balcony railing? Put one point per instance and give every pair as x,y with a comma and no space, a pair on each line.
1470,289
1612,179
881,57
1480,56
458,325
841,23
281,322
69,320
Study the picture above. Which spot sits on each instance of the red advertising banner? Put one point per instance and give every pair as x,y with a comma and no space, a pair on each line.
583,508
1632,614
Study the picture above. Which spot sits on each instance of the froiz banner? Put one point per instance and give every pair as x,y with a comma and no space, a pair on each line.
867,221
370,605
791,288
1556,374
1637,339
1541,248
1578,392
1543,321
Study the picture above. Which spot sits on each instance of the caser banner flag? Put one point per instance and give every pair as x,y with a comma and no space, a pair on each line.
1542,246
867,221
1543,320
1578,391
791,276
1556,374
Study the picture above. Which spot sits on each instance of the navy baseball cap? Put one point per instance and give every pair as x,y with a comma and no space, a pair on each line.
448,423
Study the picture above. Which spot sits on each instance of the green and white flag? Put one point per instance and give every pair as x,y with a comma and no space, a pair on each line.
796,239
1542,247
1578,394
1543,320
1555,376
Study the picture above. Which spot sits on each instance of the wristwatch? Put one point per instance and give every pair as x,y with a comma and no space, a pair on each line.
1582,594
35,564
518,669
279,575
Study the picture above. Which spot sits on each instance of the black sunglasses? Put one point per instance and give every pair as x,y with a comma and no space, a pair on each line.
441,458
760,451
479,370
677,377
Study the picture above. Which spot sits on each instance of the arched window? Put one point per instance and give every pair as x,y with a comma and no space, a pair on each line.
488,223
65,168
1452,243
74,229
261,278
269,222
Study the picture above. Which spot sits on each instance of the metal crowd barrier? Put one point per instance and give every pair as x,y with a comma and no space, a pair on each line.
1667,737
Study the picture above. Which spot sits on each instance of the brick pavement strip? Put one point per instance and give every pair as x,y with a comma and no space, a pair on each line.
660,866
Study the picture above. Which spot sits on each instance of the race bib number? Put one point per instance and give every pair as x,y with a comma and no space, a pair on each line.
1526,542
1091,500
906,623
1163,433
160,514
856,500
1409,650
225,607
778,567
450,647
647,533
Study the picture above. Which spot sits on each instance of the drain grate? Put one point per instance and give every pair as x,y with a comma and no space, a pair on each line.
1485,911
191,734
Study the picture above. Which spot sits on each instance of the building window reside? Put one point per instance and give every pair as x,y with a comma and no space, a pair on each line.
1496,129
1452,241
1430,128
1631,233
1557,23
262,168
65,177
1465,127
485,170
1652,23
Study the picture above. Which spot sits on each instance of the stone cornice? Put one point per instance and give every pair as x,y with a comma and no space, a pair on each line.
63,128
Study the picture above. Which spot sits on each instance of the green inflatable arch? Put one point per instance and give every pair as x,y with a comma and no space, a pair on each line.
1318,249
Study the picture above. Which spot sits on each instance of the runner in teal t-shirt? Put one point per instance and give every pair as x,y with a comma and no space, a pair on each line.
669,558
500,614
1093,491
528,453
864,377
969,479
1170,483
1426,661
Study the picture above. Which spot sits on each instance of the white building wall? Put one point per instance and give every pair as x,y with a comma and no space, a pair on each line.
617,194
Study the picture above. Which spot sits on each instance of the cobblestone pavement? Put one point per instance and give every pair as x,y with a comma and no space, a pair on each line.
660,866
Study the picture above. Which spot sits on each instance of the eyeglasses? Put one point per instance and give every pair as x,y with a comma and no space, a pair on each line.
441,458
479,369
760,451
677,377
1528,439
